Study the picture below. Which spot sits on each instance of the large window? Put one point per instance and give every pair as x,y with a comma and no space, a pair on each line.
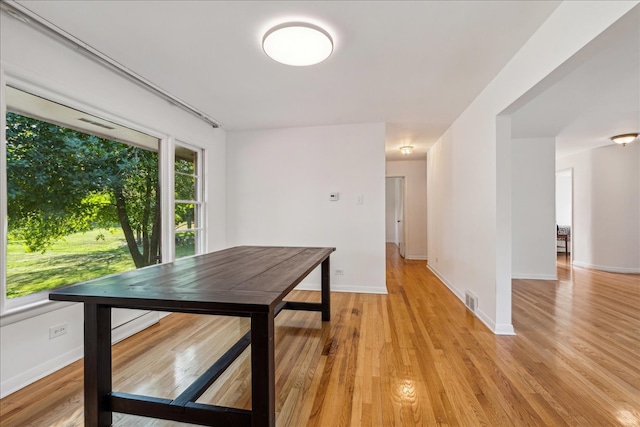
189,206
83,198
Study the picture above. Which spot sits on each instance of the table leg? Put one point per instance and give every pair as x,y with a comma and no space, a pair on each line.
97,364
326,291
263,376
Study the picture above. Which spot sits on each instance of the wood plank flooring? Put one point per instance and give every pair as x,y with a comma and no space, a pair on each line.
414,357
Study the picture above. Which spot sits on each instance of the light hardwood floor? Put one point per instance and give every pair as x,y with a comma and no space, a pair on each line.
414,357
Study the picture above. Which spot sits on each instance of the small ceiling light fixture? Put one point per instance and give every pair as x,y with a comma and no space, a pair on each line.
407,149
624,139
297,43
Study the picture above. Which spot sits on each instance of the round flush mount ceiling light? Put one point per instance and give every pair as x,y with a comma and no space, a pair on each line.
406,150
624,139
297,44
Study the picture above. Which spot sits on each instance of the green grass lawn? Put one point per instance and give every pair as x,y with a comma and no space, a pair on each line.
78,258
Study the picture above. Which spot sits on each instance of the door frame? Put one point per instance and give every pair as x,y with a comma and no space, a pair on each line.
401,236
569,172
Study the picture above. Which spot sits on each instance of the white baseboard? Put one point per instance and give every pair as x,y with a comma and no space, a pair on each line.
504,329
416,257
134,326
344,288
32,375
534,276
608,269
360,289
457,292
497,329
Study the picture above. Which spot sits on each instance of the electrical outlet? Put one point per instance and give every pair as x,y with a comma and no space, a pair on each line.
339,272
58,330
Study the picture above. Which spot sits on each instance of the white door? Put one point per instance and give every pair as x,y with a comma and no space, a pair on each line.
390,226
400,214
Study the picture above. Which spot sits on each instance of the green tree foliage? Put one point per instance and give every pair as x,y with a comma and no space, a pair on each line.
61,181
185,190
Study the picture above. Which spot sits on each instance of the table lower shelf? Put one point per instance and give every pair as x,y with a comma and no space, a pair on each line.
190,412
184,408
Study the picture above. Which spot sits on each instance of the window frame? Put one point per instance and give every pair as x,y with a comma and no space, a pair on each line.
199,214
31,305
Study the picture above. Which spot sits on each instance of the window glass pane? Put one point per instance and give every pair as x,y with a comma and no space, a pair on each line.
185,186
186,161
188,188
185,243
80,204
186,216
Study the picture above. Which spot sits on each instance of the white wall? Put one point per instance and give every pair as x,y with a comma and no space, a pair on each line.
26,353
533,229
440,224
415,204
278,194
606,211
470,221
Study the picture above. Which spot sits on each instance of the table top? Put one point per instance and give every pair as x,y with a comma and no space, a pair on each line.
243,279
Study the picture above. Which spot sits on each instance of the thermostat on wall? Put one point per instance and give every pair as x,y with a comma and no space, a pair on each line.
334,197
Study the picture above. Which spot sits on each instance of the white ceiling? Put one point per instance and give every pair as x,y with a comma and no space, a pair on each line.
414,65
599,96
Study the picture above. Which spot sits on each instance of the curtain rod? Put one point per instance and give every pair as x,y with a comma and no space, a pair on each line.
25,15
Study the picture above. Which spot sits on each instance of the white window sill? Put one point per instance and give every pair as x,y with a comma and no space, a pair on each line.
33,309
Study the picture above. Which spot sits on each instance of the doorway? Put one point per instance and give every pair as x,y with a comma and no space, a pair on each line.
564,212
394,212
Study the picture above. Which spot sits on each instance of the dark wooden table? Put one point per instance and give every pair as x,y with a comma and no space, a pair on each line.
244,281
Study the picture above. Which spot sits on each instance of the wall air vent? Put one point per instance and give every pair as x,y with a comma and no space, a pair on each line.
471,301
82,119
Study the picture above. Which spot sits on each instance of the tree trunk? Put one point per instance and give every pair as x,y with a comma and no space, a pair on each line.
121,209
